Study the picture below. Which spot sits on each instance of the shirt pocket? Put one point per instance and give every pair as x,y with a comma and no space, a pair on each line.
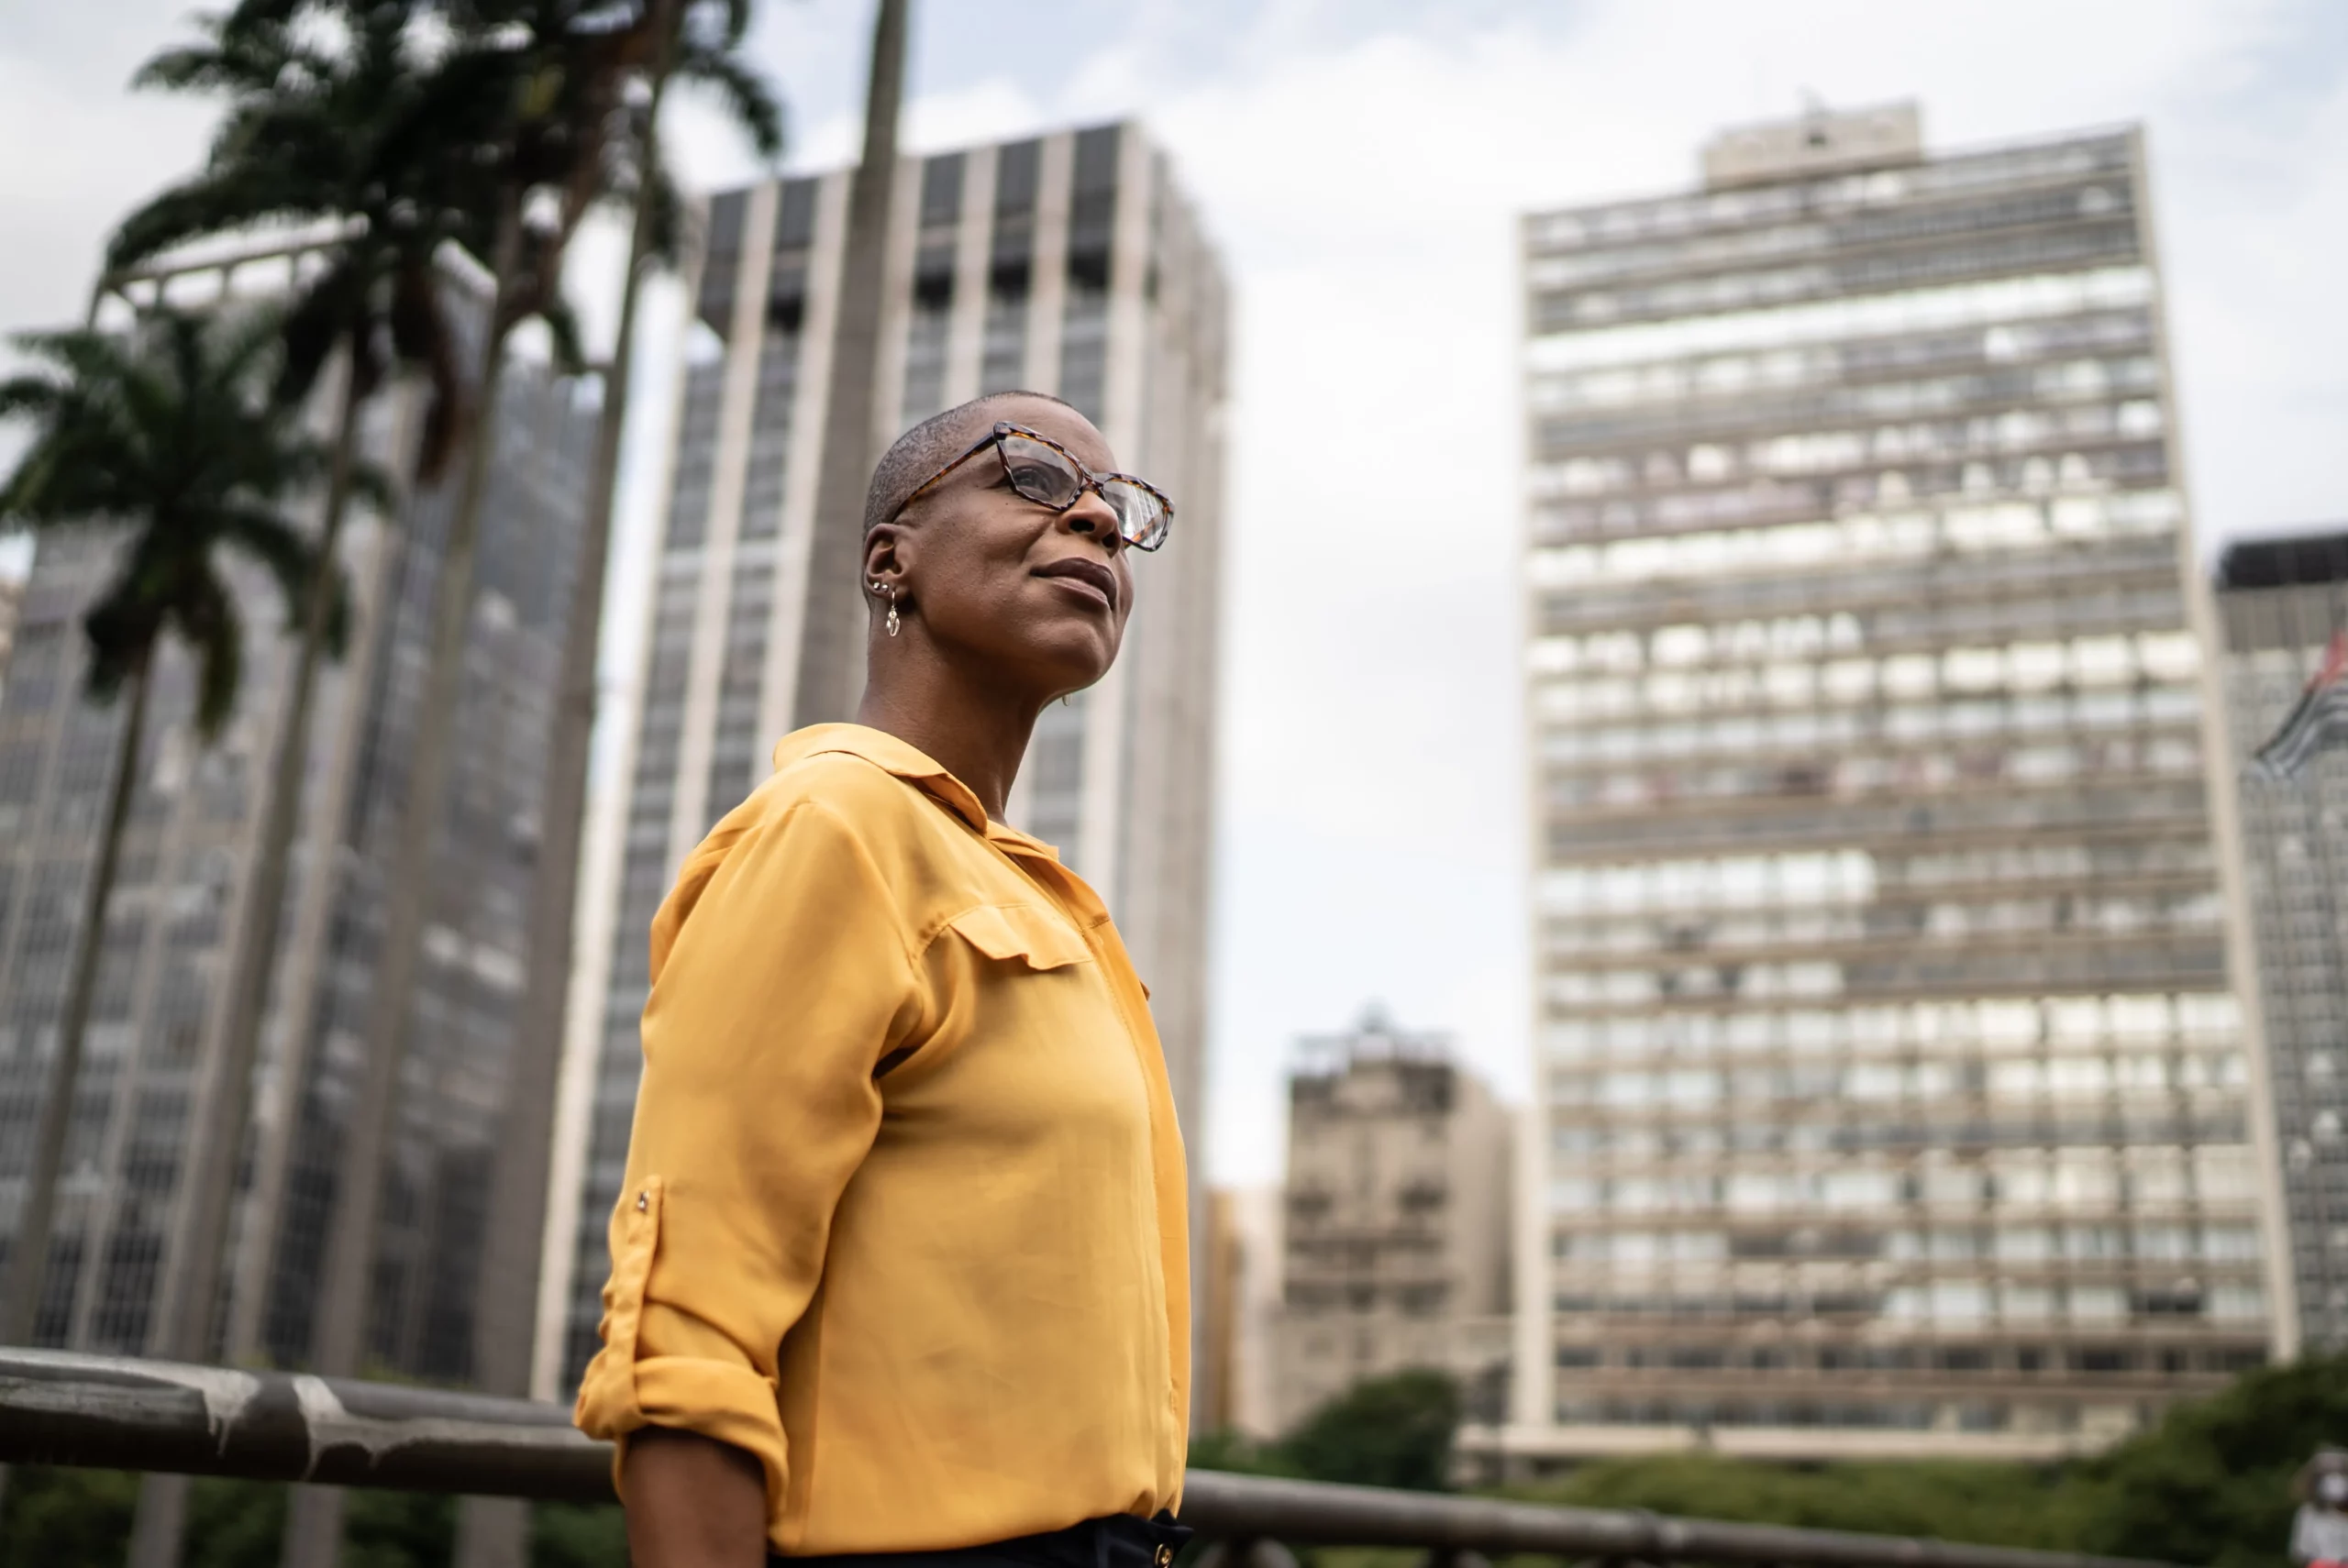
613,1386
1020,933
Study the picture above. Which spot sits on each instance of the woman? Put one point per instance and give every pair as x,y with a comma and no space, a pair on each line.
899,1262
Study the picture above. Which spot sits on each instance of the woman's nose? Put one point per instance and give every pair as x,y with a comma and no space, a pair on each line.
1094,518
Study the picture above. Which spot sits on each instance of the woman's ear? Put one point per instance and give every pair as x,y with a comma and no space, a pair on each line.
884,566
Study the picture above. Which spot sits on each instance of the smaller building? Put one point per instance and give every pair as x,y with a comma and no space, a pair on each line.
1396,1227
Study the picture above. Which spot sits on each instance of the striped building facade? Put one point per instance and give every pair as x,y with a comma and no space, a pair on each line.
1897,1093
1068,264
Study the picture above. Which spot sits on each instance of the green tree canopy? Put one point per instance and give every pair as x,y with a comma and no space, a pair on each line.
1394,1431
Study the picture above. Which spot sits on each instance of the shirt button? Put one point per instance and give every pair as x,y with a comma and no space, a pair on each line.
1165,1556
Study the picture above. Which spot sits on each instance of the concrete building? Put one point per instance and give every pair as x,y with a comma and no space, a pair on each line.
193,825
2283,602
1068,264
1396,1230
1896,1096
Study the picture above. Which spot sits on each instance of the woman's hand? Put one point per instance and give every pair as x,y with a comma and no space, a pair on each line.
693,1502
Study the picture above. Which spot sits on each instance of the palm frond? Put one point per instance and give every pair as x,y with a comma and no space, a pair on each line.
168,434
218,200
204,615
292,559
329,313
423,335
669,232
746,93
121,628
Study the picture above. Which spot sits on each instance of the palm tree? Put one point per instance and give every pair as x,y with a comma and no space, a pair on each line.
342,136
165,433
699,41
342,129
554,71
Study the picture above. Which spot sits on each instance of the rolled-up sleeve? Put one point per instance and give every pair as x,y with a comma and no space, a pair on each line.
781,977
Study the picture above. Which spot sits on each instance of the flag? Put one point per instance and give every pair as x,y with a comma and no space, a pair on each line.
2319,719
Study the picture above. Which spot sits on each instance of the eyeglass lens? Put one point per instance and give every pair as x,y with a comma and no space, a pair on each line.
1046,476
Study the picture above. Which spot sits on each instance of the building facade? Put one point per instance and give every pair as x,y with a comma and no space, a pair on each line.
1897,1097
1395,1230
1068,264
2282,603
192,836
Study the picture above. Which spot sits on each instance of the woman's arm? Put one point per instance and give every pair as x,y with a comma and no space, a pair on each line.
693,1502
770,1005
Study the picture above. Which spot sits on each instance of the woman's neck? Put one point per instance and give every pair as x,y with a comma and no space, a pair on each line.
978,736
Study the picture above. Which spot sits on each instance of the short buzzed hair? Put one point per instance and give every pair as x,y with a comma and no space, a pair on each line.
928,447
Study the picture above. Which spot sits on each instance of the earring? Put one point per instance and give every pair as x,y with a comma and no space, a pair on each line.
893,612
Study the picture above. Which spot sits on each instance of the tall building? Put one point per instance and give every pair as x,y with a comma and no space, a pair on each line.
2282,603
1897,1097
1396,1230
193,830
1068,264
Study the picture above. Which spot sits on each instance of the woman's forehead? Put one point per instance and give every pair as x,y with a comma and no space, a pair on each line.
1062,424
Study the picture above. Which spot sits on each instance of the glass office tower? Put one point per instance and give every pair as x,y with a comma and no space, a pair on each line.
1068,264
188,851
1896,1095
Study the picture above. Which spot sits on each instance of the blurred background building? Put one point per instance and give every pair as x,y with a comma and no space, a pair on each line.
1896,1098
194,820
1238,1296
1068,264
1394,1227
2282,603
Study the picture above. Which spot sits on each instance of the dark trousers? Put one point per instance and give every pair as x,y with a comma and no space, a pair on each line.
1122,1541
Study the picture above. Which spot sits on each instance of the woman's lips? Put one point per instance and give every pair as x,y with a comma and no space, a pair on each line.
1090,578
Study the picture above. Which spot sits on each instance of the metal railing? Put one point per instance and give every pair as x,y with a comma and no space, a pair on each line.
117,1413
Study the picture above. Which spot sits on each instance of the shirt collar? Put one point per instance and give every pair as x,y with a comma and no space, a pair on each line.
916,767
924,773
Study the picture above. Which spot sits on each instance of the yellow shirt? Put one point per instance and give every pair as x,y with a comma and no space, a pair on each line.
904,1207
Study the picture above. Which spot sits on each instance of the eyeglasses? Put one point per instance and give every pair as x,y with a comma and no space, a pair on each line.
1042,471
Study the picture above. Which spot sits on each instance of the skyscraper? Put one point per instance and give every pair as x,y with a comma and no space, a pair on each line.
194,819
1897,1093
1068,264
2282,603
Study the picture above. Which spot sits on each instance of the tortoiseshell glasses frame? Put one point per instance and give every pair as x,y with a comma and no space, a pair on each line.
1144,514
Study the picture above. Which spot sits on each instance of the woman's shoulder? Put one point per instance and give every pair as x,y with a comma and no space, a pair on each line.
860,794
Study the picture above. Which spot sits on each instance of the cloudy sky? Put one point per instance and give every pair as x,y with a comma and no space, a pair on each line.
1360,161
